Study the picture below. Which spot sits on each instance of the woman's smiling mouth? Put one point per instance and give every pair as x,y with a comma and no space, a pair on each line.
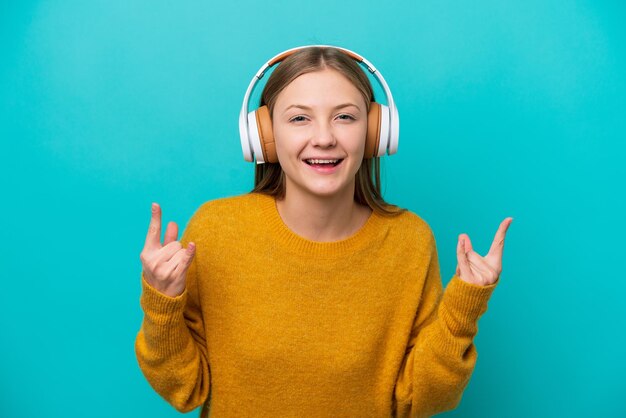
324,166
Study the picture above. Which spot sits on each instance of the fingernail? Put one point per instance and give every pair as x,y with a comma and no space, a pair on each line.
154,207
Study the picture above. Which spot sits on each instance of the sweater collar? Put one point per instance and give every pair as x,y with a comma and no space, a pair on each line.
373,231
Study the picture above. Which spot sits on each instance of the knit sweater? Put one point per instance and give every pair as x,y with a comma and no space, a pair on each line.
271,324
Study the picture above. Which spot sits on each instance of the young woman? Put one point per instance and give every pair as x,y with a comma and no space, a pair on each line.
311,296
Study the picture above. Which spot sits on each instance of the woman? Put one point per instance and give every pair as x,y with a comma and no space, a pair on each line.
311,296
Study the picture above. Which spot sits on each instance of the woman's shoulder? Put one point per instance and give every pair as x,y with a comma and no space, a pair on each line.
232,202
231,208
409,220
409,230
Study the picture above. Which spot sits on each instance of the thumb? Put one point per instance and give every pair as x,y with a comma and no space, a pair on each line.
187,258
468,243
468,248
191,252
461,256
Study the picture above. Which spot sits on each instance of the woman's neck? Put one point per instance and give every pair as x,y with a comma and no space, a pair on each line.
322,219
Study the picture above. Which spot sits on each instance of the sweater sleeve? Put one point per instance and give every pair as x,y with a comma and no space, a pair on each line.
171,346
440,355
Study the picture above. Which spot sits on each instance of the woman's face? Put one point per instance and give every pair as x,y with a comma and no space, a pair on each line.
320,124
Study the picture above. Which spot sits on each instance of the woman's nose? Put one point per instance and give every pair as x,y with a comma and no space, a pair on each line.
323,136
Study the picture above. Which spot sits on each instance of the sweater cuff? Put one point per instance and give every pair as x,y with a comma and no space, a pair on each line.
464,303
160,308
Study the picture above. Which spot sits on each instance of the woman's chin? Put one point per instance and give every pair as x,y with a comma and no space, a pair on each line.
328,191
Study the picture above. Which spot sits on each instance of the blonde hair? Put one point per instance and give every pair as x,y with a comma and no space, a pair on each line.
269,177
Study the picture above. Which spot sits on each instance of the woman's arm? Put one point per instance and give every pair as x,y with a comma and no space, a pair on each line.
440,356
171,345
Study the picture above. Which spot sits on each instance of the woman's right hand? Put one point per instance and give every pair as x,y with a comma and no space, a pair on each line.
165,266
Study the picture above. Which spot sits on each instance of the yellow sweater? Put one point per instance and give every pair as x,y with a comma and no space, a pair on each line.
275,325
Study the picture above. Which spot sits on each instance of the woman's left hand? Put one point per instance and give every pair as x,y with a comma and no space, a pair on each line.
481,271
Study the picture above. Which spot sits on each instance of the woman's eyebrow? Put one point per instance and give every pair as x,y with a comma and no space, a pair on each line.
309,108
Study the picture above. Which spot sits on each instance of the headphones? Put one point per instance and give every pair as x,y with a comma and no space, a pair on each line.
255,128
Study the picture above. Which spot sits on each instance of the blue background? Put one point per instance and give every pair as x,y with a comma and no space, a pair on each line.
507,108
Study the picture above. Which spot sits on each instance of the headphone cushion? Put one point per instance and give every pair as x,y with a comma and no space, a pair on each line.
383,138
373,130
266,134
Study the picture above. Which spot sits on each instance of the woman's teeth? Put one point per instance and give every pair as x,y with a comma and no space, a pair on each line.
315,161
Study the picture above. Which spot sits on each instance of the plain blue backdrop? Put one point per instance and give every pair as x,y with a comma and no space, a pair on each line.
507,108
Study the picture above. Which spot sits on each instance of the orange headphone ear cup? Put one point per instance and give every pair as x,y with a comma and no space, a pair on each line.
266,134
373,130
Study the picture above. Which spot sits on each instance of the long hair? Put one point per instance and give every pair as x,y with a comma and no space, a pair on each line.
269,177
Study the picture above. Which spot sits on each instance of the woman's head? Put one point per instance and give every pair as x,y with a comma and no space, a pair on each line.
317,69
312,59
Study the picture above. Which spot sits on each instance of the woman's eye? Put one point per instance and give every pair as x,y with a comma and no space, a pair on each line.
302,118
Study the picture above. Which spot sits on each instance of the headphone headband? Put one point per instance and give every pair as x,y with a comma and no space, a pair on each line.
249,130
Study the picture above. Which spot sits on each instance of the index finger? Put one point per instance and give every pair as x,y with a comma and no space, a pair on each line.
498,242
153,238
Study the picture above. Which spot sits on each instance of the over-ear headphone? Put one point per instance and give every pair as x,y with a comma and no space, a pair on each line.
255,128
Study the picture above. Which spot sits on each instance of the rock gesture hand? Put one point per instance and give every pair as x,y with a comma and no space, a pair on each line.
165,266
478,270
